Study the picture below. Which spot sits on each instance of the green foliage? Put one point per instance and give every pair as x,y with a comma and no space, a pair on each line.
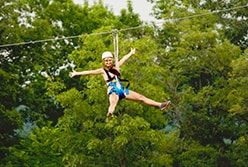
199,63
123,141
237,97
128,18
206,74
238,153
37,150
196,155
231,15
9,89
10,120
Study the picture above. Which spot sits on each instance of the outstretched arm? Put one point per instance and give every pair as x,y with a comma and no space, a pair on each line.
90,72
127,56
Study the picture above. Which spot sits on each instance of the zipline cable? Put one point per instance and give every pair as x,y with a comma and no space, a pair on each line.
51,39
126,29
204,14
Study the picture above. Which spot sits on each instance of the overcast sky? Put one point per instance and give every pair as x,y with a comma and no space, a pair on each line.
142,7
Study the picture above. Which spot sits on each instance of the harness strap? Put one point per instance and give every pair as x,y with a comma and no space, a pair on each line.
125,80
111,78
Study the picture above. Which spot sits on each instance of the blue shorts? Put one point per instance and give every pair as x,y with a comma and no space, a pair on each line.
119,91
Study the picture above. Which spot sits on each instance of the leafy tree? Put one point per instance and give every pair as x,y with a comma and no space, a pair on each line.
237,100
190,60
198,155
237,97
232,15
238,153
233,21
128,18
10,120
84,136
25,66
81,138
200,59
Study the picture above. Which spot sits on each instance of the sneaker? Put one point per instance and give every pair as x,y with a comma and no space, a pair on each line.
165,105
110,115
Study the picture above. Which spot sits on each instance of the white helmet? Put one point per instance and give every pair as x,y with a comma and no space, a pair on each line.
106,54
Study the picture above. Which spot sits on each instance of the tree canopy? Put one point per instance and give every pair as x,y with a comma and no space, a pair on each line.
197,58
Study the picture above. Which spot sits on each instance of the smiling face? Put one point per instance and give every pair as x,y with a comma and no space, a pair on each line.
108,62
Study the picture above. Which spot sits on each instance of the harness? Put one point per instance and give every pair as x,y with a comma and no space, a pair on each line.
117,73
113,82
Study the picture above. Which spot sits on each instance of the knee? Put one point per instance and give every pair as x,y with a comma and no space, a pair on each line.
113,100
141,98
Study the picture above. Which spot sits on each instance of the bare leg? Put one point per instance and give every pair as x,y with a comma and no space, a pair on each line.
138,97
113,100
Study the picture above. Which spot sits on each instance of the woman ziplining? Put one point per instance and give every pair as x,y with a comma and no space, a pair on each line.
115,89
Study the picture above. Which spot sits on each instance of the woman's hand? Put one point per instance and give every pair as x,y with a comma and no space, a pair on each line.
133,50
72,74
127,56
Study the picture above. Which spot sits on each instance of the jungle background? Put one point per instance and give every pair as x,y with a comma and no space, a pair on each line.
196,56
